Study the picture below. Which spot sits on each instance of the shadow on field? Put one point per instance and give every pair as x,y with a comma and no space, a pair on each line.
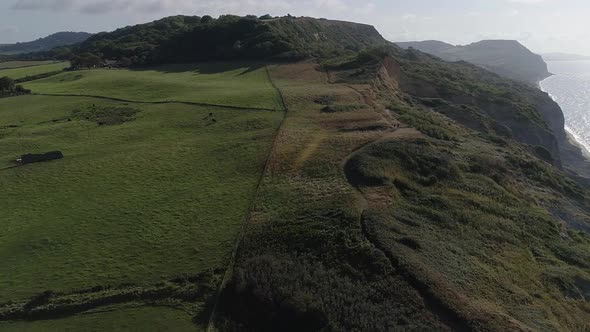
209,68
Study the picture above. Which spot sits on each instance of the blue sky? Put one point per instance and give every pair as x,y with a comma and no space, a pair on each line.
541,25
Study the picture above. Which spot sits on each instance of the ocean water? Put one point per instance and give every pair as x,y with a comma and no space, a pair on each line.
570,88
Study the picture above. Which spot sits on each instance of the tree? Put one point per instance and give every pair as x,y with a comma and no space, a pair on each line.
206,19
7,84
8,87
125,62
86,60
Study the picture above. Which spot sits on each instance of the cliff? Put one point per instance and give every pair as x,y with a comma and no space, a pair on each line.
507,58
431,197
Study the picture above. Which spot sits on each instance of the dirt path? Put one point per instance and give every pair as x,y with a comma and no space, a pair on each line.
267,164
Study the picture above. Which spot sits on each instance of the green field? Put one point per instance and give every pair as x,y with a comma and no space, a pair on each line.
145,193
22,72
155,197
20,64
134,319
237,85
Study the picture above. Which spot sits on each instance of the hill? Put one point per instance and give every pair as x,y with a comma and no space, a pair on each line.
508,58
193,38
46,43
352,186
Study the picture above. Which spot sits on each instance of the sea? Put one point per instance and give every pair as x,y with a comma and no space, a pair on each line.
570,88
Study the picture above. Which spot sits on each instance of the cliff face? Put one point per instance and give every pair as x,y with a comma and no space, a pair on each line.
507,58
512,60
483,101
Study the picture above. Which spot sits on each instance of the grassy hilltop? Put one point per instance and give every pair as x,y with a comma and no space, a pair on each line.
335,183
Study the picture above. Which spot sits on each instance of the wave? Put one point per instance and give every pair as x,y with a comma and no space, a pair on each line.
578,140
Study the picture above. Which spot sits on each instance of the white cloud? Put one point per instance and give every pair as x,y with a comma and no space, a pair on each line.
184,6
527,1
43,5
514,12
8,30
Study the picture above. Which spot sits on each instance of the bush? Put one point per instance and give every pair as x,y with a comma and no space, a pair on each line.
543,153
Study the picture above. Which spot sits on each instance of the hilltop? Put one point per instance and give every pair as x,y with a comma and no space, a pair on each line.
507,58
45,43
305,175
229,37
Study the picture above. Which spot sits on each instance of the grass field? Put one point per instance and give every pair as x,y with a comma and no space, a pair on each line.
155,197
233,85
145,193
132,319
19,73
21,64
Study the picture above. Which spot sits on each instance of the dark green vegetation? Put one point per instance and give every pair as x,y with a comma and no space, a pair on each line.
507,58
45,44
401,192
9,88
192,38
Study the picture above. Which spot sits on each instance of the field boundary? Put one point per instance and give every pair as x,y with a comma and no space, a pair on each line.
38,77
158,102
49,305
29,66
230,266
279,91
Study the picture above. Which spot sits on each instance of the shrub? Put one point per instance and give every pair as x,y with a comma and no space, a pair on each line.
543,153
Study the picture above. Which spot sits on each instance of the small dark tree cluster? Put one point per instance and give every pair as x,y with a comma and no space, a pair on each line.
86,60
8,87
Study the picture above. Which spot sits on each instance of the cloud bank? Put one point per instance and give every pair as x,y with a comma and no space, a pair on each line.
188,6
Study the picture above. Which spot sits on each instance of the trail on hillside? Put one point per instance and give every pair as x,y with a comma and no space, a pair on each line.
230,266
432,303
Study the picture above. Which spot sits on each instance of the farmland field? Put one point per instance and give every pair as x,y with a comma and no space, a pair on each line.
145,193
22,72
20,64
232,85
146,319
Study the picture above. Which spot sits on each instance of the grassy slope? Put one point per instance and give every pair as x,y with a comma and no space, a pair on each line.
19,73
158,196
440,235
303,260
234,85
132,319
139,202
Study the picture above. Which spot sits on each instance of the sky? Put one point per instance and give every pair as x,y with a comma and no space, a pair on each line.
541,25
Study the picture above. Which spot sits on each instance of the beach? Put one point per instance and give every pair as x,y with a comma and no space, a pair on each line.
570,88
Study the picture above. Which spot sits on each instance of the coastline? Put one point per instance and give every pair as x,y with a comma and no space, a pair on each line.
571,135
576,141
